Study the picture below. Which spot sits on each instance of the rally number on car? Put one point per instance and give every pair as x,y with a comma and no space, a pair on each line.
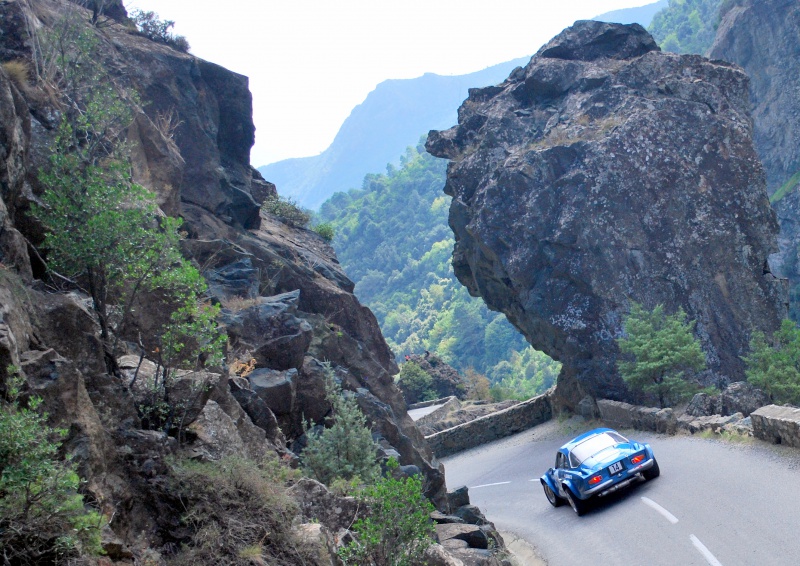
615,467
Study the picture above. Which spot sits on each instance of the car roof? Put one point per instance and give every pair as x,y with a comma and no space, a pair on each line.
578,439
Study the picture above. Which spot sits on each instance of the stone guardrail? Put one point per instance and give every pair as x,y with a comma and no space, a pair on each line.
624,415
778,425
488,428
423,404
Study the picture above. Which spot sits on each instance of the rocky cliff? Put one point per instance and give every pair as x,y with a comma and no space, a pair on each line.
606,172
288,304
764,38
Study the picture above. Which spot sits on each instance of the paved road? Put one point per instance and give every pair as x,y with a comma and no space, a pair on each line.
416,414
716,503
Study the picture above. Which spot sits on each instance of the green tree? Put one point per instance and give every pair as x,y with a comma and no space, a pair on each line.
658,351
775,367
397,528
392,238
105,232
42,516
344,450
687,26
415,383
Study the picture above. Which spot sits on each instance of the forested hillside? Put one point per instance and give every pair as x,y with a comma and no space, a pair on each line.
687,26
393,240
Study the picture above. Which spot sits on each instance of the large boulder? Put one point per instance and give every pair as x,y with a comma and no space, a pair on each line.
270,331
607,172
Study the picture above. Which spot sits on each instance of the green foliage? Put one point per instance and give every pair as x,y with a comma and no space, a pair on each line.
774,366
345,449
237,511
397,529
325,230
393,240
105,232
660,350
42,515
686,26
415,383
152,27
287,210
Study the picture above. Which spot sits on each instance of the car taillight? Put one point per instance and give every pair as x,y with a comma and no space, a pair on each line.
595,479
638,458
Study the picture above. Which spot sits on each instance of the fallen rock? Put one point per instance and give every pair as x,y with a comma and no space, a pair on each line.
473,535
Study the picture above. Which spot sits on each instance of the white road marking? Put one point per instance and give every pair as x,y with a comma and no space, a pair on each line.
710,558
490,484
667,515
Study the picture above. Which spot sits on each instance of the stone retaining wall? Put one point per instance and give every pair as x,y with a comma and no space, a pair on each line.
492,427
776,424
623,415
449,404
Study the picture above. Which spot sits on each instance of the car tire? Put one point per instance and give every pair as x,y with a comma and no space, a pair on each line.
653,472
578,505
551,496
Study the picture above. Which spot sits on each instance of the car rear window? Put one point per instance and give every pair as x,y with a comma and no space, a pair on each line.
593,445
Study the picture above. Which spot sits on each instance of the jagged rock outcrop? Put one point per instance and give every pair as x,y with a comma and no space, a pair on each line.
288,304
606,172
763,36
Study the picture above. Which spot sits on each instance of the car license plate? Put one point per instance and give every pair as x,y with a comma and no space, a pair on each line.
615,467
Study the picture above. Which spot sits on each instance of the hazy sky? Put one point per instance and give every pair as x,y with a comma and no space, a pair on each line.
311,61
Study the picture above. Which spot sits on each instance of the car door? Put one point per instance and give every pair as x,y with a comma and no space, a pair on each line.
559,471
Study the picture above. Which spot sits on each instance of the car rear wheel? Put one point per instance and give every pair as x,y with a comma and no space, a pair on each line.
554,499
653,472
578,505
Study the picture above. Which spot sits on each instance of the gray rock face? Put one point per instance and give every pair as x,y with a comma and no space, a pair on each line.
763,36
580,185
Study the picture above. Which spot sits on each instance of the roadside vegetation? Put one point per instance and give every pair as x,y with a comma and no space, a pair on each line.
392,238
660,354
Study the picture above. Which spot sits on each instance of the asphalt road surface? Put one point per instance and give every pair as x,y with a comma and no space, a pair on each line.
416,414
718,503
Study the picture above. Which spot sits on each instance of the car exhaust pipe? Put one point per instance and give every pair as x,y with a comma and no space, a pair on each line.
620,485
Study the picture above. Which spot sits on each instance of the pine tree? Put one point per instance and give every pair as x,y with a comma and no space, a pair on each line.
660,350
344,450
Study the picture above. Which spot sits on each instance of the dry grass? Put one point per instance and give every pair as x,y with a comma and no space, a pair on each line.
238,512
238,303
19,71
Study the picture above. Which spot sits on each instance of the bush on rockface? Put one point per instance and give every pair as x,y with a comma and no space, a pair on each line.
774,365
156,29
415,383
42,515
658,352
397,528
287,210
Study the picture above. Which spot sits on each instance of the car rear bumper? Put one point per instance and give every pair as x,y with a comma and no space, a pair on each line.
619,481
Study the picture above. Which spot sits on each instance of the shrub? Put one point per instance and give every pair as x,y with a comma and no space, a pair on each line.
237,511
415,383
775,367
287,210
345,449
478,386
397,528
42,515
152,27
325,230
660,349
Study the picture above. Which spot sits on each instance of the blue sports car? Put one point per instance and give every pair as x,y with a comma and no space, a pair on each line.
596,463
